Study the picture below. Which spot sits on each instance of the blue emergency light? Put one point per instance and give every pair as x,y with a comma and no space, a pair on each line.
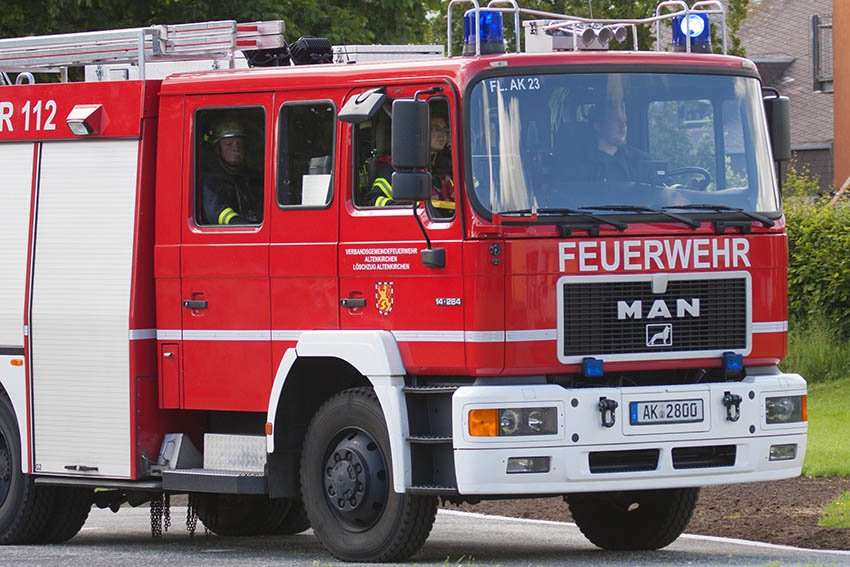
697,27
492,33
592,367
733,363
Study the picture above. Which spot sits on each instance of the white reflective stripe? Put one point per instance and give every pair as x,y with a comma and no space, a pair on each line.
429,336
142,334
169,334
227,335
771,327
484,336
286,335
26,330
532,335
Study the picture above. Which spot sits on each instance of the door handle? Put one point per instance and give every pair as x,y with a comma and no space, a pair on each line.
194,304
352,302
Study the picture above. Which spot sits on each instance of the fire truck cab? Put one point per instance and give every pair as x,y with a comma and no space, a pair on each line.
326,295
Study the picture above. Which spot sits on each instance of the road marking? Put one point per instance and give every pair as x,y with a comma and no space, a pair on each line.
684,536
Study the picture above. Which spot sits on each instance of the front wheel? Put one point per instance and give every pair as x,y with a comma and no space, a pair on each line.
633,520
346,483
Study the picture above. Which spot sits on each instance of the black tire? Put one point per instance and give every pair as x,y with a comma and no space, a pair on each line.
24,507
347,484
238,515
294,521
634,520
71,507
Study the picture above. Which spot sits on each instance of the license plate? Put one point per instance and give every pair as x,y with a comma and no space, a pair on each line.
665,411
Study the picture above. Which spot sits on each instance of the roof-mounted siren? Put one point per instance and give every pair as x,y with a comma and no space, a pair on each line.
489,30
305,51
571,35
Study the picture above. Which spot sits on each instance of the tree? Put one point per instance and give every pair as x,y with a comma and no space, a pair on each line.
341,21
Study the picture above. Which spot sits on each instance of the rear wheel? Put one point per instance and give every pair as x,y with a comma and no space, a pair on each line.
24,507
71,507
346,482
633,520
294,520
240,515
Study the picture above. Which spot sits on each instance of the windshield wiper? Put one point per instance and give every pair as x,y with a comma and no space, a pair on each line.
765,222
619,225
691,223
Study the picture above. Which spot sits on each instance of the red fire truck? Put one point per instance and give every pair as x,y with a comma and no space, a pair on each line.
329,295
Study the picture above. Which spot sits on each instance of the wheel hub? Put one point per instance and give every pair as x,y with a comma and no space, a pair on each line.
347,480
356,480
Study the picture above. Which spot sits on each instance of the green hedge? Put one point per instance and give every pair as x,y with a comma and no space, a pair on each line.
819,263
819,256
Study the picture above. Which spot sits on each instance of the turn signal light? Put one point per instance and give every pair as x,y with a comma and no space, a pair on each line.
484,423
16,362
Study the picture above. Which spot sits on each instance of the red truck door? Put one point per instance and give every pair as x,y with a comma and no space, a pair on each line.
225,252
383,281
304,219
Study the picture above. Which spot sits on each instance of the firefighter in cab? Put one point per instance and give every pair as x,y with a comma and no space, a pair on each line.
231,192
442,189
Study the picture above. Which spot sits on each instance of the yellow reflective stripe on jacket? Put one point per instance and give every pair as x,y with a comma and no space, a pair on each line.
382,201
385,187
227,215
449,205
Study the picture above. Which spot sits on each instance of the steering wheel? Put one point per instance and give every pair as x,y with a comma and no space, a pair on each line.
699,183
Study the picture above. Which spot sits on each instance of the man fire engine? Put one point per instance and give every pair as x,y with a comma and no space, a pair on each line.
342,366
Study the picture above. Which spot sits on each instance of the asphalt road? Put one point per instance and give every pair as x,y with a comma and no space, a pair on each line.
124,538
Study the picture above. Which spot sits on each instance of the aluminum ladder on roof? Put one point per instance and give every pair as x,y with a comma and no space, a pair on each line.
177,42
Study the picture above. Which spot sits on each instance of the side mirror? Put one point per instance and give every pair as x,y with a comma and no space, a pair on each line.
363,107
778,111
411,135
411,186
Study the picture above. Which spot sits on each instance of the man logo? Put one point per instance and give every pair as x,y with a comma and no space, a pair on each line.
659,335
658,310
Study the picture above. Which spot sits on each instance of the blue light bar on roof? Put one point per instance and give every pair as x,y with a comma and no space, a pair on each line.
696,26
492,33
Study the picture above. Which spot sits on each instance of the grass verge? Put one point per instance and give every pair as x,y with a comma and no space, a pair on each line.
828,452
836,514
817,352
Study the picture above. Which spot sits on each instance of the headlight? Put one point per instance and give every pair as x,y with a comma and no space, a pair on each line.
785,409
513,422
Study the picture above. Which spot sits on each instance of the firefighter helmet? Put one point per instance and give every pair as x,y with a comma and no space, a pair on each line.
226,129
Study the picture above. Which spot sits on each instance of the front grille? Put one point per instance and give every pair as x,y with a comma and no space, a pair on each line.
704,457
653,322
623,461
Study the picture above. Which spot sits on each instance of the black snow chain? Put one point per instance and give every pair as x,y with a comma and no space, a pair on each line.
156,519
192,518
160,515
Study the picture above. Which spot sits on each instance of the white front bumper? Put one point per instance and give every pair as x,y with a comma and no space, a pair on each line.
480,463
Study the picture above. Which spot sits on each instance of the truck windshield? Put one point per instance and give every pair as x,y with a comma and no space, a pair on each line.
651,140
